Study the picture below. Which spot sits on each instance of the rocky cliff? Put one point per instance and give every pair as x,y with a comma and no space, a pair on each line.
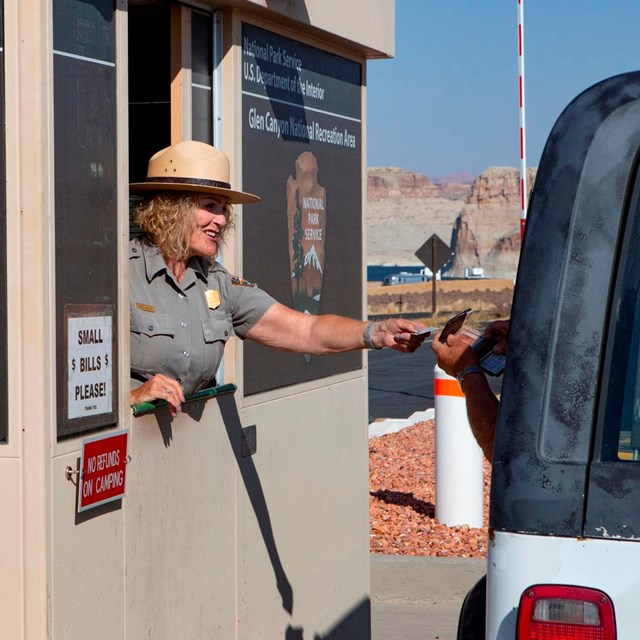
479,221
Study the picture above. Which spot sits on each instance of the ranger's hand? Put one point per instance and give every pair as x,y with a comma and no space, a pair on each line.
160,387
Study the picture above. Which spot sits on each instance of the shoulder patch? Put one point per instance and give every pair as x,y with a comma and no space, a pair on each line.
241,282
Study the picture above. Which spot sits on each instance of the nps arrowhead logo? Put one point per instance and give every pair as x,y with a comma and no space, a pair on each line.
306,213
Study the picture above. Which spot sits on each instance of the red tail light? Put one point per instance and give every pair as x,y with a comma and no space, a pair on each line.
561,612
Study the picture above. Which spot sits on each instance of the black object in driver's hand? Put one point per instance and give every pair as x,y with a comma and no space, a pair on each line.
454,324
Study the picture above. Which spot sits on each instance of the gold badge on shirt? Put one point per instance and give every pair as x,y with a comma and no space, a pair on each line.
213,298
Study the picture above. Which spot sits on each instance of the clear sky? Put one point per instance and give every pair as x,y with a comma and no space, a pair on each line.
448,102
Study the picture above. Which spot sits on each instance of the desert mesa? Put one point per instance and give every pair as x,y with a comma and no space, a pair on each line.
478,218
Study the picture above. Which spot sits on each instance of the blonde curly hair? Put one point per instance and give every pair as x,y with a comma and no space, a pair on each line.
168,218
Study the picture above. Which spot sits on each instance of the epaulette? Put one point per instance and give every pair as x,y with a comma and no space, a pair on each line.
241,282
135,250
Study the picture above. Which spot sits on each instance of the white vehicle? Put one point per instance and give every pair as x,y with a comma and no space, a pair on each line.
474,272
564,523
406,277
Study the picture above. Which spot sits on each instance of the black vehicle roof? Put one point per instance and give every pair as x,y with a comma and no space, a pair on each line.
560,310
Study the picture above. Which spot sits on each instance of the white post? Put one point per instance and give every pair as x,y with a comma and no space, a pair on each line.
523,137
459,473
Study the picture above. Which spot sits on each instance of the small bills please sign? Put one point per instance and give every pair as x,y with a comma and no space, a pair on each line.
90,366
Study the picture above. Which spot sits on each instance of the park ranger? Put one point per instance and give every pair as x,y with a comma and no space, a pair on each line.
185,306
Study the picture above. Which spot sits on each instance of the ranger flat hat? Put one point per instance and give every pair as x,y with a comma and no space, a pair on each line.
191,166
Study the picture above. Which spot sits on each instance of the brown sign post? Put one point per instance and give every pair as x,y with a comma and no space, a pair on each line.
434,253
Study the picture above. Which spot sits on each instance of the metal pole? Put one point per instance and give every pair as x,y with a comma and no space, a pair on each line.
433,278
523,139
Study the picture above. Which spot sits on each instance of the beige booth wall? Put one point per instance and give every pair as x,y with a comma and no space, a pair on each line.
313,470
365,27
312,461
206,543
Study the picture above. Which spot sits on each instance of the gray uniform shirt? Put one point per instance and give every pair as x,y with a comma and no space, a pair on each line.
180,329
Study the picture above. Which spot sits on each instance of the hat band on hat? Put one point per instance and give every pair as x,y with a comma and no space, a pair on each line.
197,181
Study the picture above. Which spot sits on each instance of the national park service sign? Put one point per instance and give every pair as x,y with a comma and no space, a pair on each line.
301,153
307,219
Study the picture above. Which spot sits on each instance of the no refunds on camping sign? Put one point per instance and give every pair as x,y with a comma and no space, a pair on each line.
102,470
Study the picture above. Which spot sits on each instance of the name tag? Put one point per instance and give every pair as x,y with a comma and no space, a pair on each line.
144,307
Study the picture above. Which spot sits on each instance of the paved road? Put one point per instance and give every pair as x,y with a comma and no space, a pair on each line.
419,598
401,383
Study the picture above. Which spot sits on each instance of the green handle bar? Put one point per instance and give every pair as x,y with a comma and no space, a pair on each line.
149,407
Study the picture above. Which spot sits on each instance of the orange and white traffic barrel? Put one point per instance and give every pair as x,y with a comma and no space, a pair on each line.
459,473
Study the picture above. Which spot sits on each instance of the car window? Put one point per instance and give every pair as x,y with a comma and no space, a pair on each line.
621,426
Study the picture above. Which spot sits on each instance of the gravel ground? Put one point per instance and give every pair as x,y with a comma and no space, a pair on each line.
402,499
